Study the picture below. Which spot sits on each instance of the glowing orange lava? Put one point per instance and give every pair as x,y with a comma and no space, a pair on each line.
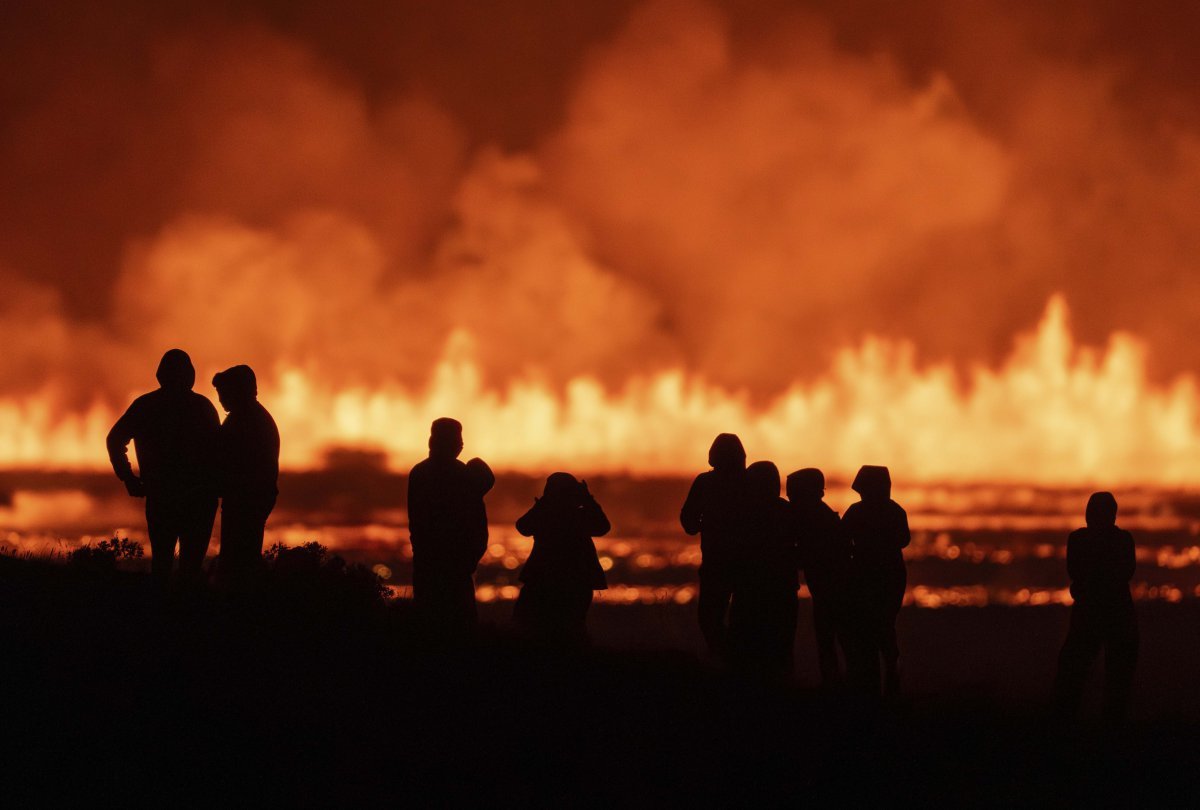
1051,413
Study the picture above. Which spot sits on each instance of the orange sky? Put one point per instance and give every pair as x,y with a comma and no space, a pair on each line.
606,190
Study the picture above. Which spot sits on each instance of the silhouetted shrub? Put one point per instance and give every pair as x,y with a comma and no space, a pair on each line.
311,573
104,555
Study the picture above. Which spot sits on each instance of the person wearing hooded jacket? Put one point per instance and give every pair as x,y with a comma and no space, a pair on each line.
715,509
563,569
173,430
825,555
248,465
877,528
762,618
447,522
1100,563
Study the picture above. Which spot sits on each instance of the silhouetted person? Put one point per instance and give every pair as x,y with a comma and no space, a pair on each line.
562,570
173,431
1100,562
447,523
248,471
877,528
762,620
715,509
824,553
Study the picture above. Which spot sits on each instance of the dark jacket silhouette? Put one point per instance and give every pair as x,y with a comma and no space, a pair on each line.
762,621
563,569
715,509
877,528
447,523
823,551
173,431
248,470
1100,562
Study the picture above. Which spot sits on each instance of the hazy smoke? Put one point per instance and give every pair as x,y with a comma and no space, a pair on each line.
619,190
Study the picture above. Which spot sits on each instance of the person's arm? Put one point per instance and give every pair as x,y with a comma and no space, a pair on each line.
903,535
528,523
804,542
273,444
210,448
1128,557
481,476
595,522
118,440
1075,565
415,503
690,515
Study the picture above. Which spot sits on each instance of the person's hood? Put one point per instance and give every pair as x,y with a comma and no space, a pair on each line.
762,480
1101,510
806,484
873,482
175,371
727,453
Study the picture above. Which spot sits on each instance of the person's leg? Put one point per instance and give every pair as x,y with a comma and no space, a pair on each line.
888,646
583,603
162,531
861,631
1074,660
824,629
194,537
713,610
465,609
1120,662
785,633
243,526
524,613
236,557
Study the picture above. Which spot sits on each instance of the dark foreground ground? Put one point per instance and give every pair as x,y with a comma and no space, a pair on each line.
314,693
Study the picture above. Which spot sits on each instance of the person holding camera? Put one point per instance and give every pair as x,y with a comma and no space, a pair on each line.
563,569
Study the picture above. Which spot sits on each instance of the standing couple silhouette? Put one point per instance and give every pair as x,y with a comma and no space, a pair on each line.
188,460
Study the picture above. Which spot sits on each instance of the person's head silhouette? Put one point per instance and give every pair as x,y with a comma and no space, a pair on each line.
762,479
807,484
236,387
563,489
873,483
1101,510
445,438
175,371
727,453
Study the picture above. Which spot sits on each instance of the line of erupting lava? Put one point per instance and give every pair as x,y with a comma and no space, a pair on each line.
1051,413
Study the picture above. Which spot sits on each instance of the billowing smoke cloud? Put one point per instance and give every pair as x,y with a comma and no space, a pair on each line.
674,183
767,202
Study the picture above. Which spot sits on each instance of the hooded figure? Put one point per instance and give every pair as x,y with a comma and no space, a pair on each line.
173,430
1100,562
248,461
824,553
877,528
762,619
715,510
447,523
563,569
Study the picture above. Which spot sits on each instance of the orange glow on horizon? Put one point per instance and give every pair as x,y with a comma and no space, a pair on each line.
1051,413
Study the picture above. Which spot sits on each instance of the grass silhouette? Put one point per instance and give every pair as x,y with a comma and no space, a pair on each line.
313,689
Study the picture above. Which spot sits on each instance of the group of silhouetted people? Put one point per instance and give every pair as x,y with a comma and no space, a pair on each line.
448,528
753,546
754,543
188,461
